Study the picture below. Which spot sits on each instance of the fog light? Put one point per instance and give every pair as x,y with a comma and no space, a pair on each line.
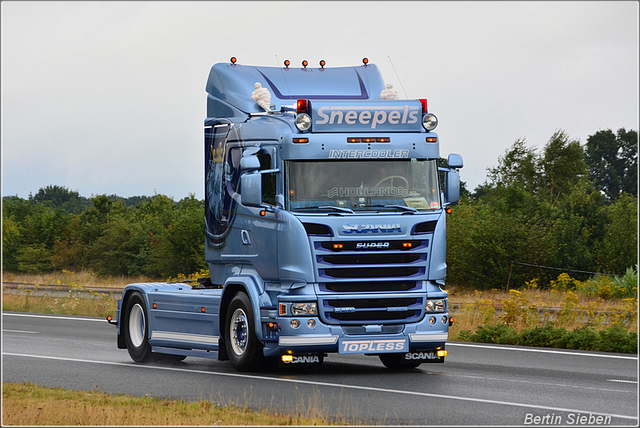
311,323
287,358
303,122
295,323
442,353
432,320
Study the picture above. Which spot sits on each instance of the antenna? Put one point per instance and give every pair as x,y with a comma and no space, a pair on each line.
401,85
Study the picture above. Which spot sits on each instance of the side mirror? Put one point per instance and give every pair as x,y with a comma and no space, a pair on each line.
251,188
249,163
452,187
454,161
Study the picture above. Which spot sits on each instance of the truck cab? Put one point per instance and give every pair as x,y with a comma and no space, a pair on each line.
325,226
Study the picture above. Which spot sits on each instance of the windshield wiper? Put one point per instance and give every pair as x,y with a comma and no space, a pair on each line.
326,207
400,207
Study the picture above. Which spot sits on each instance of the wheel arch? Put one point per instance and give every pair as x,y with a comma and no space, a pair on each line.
143,289
248,286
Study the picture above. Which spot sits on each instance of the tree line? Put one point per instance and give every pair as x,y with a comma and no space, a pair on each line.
569,207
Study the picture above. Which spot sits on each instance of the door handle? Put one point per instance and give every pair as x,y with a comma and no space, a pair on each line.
244,235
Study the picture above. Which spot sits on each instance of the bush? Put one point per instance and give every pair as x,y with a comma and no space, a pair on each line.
617,339
501,334
619,287
584,338
626,285
544,336
613,339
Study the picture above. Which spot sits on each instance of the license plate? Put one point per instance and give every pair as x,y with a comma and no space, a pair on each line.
372,346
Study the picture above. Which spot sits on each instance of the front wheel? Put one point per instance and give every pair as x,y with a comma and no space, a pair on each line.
398,362
243,347
137,329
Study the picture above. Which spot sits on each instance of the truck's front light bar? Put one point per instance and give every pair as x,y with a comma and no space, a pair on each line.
435,305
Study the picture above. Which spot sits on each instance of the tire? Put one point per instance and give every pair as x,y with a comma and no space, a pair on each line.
243,348
136,329
397,362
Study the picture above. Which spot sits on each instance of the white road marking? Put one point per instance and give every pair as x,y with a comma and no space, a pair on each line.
622,381
56,317
326,384
19,331
544,351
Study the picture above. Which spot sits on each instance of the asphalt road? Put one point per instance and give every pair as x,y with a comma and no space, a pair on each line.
477,385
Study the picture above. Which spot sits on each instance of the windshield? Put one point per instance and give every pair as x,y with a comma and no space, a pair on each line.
409,184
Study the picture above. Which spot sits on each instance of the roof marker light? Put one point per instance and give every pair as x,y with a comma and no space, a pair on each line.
287,63
305,63
233,60
322,63
365,61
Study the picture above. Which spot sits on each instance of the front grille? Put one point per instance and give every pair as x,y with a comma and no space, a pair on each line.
354,310
375,316
372,280
395,272
370,259
368,286
372,303
384,329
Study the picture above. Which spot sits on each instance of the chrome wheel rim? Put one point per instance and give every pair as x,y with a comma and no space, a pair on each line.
239,331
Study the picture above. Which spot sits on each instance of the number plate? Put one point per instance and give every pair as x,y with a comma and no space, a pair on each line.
372,346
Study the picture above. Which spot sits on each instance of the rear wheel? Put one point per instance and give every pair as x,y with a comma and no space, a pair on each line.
398,362
137,329
243,347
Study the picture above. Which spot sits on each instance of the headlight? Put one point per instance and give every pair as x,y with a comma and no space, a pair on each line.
303,122
429,121
435,305
302,309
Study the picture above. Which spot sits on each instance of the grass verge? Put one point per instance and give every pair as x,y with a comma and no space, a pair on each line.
29,404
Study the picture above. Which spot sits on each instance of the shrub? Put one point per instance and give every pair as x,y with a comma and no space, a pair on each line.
626,285
617,339
543,336
584,338
501,333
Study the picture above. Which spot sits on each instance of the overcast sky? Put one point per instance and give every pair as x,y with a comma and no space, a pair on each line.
108,97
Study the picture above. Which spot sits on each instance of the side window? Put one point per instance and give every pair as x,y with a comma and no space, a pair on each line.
268,179
232,171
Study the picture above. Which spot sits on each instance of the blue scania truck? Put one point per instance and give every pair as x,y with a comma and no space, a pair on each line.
325,227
